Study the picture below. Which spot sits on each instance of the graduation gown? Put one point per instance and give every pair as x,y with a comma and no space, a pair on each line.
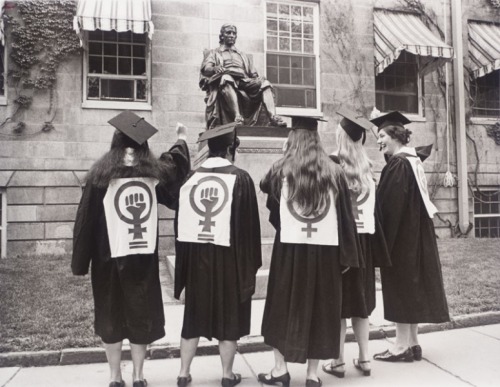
304,295
358,284
412,287
219,281
127,293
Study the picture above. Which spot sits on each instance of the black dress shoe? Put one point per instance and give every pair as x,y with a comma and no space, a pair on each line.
389,356
314,383
270,379
117,384
227,382
417,352
140,383
183,381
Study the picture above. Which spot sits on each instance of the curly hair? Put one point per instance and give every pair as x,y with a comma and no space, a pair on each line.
400,133
308,170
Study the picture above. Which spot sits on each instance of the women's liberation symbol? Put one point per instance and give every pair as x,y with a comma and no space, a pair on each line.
208,198
309,221
133,205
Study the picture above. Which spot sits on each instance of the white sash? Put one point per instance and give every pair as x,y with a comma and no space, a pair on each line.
205,208
131,213
418,171
363,209
312,230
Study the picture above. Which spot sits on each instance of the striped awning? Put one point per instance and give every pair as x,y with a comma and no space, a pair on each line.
397,31
118,15
484,48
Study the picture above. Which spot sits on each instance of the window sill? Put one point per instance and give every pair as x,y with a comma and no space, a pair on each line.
116,105
484,120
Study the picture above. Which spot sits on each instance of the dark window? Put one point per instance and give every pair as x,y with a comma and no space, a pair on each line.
291,60
485,92
117,66
2,70
487,214
397,88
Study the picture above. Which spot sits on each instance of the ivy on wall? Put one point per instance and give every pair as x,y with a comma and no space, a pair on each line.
42,38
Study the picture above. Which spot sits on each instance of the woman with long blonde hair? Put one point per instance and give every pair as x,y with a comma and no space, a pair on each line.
358,285
316,239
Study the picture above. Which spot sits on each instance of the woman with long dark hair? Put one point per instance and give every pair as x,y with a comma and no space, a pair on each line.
358,284
316,238
412,287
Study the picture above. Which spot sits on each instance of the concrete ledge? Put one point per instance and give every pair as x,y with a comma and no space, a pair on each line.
245,345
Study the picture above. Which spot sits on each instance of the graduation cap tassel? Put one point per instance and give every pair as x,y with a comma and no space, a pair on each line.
449,180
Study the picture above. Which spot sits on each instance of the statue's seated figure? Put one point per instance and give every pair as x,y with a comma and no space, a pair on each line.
235,92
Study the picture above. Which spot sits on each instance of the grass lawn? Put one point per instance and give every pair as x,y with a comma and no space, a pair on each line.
44,307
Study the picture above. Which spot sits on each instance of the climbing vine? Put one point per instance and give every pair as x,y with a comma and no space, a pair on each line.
42,38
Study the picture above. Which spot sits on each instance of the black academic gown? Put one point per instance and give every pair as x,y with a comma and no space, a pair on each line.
304,294
358,284
127,292
219,281
413,286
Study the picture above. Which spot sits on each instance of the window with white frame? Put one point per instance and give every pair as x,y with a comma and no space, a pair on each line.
485,92
487,213
399,86
292,48
117,67
3,223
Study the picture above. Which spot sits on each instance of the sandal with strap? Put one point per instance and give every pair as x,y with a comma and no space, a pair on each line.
358,364
331,369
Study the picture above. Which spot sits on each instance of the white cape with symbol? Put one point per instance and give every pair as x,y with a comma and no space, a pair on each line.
131,212
205,209
321,229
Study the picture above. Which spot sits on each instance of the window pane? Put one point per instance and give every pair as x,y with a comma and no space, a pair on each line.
139,38
125,36
110,36
124,66
117,89
139,67
95,48
284,10
272,27
485,92
308,46
284,76
296,45
141,90
284,44
272,74
95,64
93,88
95,35
124,50
139,51
272,60
271,9
272,43
110,66
296,77
110,49
309,78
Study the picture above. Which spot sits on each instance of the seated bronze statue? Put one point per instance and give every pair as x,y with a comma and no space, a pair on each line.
235,92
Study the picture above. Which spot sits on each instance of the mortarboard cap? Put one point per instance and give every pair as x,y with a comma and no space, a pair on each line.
392,118
308,123
133,126
354,124
220,136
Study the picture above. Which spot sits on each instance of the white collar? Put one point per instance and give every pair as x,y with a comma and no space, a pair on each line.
407,149
215,162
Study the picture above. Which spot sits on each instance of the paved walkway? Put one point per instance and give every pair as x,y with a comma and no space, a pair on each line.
459,357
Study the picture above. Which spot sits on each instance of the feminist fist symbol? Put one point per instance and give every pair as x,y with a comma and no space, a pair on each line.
209,198
135,205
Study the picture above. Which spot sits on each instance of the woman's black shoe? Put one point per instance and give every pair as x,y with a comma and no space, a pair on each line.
314,383
227,382
417,352
117,384
389,356
270,379
183,381
140,383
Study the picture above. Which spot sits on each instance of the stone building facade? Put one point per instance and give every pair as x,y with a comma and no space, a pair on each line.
325,48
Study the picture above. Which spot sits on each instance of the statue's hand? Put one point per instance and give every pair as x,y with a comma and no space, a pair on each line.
181,131
219,69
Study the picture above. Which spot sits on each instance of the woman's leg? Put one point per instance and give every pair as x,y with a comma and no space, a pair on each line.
361,328
188,350
138,353
403,333
337,365
227,350
312,369
413,335
114,356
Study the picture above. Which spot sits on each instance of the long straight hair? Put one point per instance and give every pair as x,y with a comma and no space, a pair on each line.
308,170
354,160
